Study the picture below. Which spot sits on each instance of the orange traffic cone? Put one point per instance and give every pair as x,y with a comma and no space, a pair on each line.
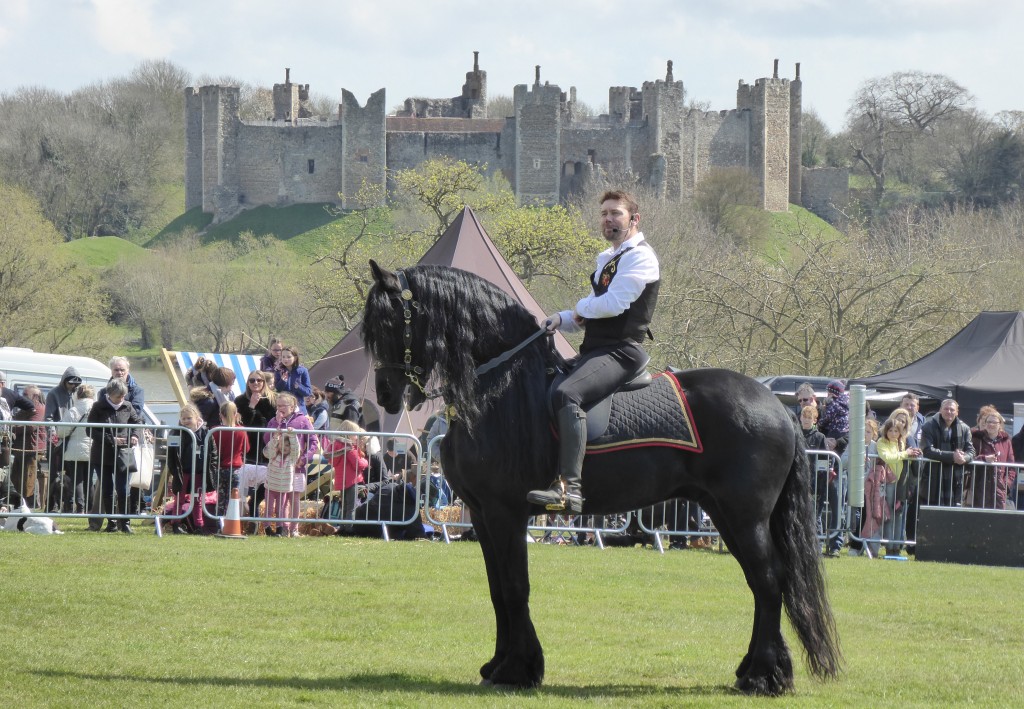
232,521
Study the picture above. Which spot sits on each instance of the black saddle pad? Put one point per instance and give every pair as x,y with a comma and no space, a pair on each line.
657,415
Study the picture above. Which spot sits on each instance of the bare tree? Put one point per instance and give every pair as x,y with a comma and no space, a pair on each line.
889,112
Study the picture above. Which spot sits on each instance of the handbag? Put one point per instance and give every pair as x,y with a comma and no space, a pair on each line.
126,459
142,474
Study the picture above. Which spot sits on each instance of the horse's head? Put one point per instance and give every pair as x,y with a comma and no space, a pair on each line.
392,326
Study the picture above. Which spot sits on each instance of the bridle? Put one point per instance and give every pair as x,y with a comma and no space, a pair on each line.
413,372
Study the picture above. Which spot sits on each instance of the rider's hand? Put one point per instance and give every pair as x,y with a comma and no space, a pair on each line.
552,323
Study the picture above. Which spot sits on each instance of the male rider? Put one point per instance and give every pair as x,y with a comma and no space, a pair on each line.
616,317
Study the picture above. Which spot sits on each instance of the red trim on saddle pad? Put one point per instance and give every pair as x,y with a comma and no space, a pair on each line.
688,438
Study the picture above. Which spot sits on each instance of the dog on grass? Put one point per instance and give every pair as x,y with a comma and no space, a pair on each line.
20,521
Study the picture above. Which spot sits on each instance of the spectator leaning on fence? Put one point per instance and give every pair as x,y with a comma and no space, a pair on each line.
893,454
348,458
58,403
947,440
190,473
77,447
987,485
28,447
232,444
113,407
288,416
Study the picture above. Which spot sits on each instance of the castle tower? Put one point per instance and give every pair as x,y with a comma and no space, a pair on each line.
796,146
768,101
538,129
219,155
474,91
663,106
286,99
193,149
363,143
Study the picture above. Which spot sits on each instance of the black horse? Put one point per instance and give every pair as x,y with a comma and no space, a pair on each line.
435,325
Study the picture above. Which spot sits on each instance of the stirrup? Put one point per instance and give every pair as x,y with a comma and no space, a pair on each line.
557,497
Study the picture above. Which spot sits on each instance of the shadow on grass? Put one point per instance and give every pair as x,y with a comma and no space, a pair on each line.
399,683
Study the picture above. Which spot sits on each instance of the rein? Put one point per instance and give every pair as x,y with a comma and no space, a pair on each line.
413,373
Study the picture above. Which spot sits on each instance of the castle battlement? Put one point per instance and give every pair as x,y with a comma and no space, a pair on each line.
546,150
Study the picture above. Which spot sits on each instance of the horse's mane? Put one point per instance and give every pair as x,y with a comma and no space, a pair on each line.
463,321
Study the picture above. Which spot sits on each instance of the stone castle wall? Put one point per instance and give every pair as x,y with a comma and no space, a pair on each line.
545,150
826,191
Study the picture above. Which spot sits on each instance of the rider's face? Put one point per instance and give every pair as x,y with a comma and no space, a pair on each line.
615,220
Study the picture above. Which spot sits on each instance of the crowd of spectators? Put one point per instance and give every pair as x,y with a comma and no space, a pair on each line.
911,460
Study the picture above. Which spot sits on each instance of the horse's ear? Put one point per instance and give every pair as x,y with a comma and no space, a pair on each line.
387,279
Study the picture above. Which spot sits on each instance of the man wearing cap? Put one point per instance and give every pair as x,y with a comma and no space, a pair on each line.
343,402
59,401
835,424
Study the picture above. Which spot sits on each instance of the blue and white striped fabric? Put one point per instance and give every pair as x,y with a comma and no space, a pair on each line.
242,364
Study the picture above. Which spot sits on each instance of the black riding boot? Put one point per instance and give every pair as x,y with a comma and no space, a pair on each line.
565,492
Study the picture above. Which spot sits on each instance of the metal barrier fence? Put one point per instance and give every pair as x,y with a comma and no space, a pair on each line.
890,513
77,470
82,470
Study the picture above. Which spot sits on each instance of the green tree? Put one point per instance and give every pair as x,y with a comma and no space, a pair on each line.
46,301
440,187
541,241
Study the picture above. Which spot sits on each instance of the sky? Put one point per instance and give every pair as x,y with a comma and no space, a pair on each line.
425,47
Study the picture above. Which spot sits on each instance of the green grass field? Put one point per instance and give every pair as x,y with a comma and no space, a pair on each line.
107,620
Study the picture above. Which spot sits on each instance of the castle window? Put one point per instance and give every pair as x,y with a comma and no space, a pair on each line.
592,156
312,166
536,163
363,155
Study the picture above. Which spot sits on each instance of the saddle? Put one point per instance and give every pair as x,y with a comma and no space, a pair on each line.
599,412
646,411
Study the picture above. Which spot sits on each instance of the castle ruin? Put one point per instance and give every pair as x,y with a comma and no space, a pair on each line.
546,149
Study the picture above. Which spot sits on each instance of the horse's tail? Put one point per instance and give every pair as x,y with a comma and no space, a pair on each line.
803,584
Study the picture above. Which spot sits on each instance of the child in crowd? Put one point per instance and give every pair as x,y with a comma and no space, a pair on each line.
269,361
182,460
292,378
282,451
232,444
289,417
316,405
348,457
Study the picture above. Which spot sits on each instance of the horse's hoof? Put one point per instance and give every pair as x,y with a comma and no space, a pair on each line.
486,682
769,686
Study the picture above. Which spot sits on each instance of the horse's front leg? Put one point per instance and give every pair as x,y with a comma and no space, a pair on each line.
518,657
497,597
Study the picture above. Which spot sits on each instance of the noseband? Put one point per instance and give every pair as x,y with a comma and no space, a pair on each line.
413,372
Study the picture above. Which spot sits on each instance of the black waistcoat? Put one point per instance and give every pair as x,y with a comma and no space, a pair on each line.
633,323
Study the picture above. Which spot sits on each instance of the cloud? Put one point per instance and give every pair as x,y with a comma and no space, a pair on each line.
129,27
13,16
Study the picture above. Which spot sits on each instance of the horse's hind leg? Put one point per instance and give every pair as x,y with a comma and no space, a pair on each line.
518,658
767,667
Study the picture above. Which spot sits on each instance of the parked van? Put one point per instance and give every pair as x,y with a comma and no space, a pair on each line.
25,366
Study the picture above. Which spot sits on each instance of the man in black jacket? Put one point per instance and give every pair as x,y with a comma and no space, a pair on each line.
947,440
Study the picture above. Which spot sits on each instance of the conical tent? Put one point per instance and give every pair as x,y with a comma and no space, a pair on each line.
464,245
981,364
